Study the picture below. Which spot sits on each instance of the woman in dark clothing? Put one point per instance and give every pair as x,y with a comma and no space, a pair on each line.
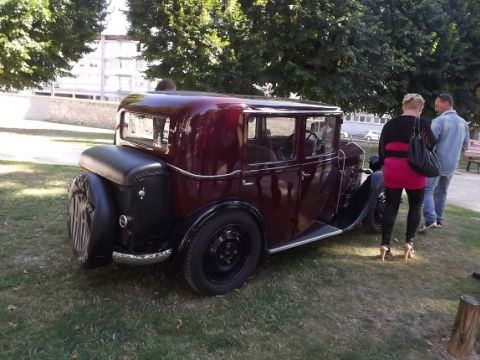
398,175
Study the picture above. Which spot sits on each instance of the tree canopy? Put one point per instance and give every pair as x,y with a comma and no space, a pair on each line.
359,54
39,39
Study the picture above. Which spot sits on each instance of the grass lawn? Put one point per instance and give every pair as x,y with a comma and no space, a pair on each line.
332,300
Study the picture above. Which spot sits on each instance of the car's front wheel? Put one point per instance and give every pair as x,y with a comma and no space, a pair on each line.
223,253
374,219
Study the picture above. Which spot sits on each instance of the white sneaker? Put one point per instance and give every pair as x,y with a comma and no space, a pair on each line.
428,225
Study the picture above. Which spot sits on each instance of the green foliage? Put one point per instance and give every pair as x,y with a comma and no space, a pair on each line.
359,54
203,45
40,38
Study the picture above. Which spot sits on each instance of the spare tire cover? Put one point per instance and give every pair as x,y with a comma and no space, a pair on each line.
91,220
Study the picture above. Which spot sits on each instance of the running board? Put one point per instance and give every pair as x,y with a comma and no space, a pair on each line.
316,232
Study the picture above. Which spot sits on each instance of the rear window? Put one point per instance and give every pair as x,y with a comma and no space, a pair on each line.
152,131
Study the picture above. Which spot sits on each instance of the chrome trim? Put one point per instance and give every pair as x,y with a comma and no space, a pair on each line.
307,241
204,177
364,154
310,161
146,259
331,111
272,162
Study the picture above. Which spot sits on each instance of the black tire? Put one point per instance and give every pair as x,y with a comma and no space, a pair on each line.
373,220
91,221
223,253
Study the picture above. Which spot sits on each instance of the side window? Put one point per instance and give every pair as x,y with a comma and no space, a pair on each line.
252,128
270,139
320,135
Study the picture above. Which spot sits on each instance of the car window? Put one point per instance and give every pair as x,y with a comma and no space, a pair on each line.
148,130
320,135
270,139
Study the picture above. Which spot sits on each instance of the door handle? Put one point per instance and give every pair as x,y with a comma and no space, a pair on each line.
305,174
247,183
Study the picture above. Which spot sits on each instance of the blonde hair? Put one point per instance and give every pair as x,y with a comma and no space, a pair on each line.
413,101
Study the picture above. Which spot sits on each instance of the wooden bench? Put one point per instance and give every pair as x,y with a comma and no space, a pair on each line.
473,154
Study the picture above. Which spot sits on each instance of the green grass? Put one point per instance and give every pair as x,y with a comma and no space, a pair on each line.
332,300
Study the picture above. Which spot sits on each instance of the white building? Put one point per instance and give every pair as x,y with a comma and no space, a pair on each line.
111,70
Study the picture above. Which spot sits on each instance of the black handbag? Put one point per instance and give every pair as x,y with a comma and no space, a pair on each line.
423,161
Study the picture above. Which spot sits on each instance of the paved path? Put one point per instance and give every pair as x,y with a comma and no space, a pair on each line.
44,142
464,190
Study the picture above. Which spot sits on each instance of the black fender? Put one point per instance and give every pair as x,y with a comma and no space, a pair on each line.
202,216
184,230
376,187
362,202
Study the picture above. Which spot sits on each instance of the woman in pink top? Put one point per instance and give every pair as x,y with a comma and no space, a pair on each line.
398,174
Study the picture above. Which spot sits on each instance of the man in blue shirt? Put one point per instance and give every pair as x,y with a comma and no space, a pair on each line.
452,136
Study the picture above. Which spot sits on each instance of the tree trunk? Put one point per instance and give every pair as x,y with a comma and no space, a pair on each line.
465,329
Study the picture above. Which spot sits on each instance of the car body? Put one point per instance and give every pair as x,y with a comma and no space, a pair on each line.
372,135
212,182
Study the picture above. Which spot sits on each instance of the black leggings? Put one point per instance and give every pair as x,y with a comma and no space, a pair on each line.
393,197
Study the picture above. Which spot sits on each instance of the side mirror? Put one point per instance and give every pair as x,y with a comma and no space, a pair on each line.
374,163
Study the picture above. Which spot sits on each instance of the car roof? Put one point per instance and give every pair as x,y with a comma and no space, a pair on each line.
168,101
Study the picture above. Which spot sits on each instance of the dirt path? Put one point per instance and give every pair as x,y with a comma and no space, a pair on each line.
45,142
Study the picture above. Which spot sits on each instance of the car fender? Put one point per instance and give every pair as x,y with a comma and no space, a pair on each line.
196,220
374,184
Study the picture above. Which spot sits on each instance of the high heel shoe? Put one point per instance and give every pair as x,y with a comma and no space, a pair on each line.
408,250
385,252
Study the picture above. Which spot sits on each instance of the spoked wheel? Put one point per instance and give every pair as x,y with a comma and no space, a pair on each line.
91,221
223,253
80,223
373,221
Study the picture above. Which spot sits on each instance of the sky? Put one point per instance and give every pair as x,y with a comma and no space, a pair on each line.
117,23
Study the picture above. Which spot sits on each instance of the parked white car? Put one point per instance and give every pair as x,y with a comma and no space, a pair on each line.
372,135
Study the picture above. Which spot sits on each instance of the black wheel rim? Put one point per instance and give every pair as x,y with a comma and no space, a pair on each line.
379,209
226,254
80,220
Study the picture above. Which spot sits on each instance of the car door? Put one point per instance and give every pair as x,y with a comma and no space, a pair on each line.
271,171
320,174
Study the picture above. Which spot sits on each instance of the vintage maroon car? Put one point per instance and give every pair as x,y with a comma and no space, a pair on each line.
211,182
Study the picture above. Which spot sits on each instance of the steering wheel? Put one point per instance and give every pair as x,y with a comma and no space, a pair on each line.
285,151
316,143
311,133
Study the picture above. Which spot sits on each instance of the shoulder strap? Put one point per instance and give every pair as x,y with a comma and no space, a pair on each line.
416,126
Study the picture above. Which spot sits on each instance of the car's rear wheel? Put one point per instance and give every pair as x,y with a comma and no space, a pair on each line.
223,253
91,220
374,219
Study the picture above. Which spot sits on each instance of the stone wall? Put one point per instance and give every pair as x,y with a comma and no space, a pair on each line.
99,114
